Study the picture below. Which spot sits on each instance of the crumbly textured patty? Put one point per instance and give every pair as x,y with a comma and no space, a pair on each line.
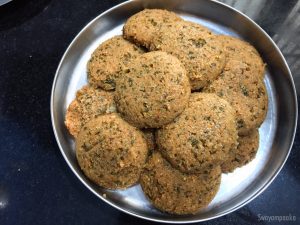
175,192
111,152
88,104
143,26
237,49
245,92
245,152
196,47
108,59
201,136
152,90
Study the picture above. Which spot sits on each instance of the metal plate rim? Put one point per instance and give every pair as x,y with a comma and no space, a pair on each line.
5,2
262,188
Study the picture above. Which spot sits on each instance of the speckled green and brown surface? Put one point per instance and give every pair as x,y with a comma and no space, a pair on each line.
193,137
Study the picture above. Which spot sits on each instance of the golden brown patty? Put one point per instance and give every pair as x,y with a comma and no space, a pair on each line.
143,26
153,90
108,59
111,152
245,152
201,136
237,49
196,47
245,92
175,192
88,104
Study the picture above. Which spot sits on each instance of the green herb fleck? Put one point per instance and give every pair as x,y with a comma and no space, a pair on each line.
146,107
244,90
154,23
110,81
240,123
130,82
191,55
220,94
198,43
207,118
194,141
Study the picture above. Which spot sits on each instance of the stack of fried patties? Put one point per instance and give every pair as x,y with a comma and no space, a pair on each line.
169,105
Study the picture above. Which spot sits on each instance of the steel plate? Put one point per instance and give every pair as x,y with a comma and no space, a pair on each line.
276,133
3,2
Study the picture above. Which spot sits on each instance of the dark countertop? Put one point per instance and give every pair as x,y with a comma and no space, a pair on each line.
36,185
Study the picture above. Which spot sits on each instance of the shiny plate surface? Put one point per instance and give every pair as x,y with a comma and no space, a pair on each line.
3,2
276,134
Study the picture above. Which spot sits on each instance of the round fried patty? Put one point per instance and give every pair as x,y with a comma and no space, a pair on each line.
153,90
244,153
108,59
245,92
143,26
175,192
111,152
238,49
201,136
196,47
89,103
